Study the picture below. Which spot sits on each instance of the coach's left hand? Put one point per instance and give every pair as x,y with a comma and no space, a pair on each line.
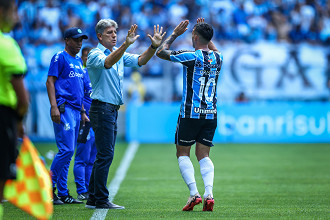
156,40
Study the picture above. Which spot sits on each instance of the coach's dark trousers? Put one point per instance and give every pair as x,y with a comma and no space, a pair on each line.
103,117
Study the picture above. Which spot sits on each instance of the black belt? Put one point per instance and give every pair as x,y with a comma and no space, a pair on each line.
117,107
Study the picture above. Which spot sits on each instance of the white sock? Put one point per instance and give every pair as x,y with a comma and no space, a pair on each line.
207,171
188,174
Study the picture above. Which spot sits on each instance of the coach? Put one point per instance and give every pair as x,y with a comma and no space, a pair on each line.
105,65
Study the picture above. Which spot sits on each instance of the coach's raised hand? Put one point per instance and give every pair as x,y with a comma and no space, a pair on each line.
131,35
156,40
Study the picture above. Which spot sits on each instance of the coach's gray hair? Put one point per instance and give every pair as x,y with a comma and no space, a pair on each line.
103,24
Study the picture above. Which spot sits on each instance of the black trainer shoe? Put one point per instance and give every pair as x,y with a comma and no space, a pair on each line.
69,200
90,204
109,205
56,200
83,196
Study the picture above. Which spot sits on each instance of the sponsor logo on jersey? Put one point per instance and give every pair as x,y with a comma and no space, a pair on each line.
207,72
198,64
205,111
75,74
208,65
71,65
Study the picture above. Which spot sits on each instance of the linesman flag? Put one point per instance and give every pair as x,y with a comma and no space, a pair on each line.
32,189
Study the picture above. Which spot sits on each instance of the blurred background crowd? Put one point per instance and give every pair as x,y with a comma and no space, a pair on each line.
43,22
275,50
236,22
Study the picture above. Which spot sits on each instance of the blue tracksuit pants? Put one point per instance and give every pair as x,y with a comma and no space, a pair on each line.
66,134
83,164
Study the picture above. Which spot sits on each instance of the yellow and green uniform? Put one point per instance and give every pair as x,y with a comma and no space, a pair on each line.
11,63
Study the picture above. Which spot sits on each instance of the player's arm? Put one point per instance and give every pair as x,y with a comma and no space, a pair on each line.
163,51
54,112
115,56
211,46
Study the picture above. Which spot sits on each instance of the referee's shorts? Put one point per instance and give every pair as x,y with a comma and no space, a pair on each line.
190,130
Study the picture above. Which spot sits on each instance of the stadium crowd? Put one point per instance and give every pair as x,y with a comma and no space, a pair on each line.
239,21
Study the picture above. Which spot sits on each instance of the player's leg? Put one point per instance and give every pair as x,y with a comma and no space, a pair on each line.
207,171
80,163
188,175
187,168
206,167
203,145
81,160
92,156
66,138
184,138
64,133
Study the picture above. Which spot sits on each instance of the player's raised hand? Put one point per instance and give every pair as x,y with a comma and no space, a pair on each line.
131,35
181,28
200,20
156,40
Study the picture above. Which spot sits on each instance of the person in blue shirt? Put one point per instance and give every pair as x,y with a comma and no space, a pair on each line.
197,120
86,149
105,65
65,87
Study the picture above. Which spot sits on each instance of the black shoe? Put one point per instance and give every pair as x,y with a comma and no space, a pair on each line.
56,200
90,204
69,200
83,196
109,205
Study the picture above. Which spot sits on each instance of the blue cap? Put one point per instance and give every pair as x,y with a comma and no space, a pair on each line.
74,32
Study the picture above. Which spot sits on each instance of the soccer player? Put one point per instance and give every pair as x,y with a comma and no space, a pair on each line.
13,96
86,149
197,120
105,65
65,87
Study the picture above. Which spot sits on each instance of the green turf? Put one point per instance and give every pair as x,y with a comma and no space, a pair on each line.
256,181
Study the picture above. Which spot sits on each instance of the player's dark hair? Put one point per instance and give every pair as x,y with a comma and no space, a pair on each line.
5,4
204,30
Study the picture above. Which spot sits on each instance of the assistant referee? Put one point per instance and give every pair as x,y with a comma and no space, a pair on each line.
13,96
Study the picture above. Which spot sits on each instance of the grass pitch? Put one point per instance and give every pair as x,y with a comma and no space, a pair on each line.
256,181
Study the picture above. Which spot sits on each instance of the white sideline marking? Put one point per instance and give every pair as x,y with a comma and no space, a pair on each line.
100,214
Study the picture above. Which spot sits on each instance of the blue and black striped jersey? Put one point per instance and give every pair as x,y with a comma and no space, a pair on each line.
201,71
